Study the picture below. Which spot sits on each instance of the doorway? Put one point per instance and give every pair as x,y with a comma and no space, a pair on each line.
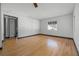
10,26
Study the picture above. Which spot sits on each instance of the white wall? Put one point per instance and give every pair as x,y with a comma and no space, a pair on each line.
26,25
76,25
0,28
64,25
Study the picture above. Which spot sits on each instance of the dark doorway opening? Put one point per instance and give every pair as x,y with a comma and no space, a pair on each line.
10,26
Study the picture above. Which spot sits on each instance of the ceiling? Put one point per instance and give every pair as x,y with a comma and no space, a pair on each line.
44,10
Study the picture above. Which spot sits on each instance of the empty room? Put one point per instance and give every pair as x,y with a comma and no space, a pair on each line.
39,29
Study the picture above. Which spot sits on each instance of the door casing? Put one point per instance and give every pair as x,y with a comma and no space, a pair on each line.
16,25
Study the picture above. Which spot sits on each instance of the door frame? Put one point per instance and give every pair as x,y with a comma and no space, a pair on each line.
16,25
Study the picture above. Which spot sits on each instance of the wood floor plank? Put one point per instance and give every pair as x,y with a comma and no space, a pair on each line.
39,45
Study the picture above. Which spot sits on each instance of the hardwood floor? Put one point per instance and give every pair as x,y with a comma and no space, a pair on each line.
39,45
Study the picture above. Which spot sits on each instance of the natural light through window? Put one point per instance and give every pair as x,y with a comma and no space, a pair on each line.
52,26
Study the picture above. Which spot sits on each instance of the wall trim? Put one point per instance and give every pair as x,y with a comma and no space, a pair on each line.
57,36
27,36
45,35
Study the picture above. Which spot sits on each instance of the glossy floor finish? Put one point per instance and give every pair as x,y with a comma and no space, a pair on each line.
39,45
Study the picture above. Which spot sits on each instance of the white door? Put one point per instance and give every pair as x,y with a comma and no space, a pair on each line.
12,27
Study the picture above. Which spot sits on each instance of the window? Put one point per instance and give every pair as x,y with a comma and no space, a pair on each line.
52,25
